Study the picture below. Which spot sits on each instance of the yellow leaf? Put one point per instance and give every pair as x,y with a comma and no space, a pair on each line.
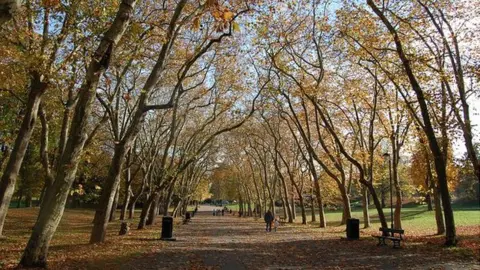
228,15
236,27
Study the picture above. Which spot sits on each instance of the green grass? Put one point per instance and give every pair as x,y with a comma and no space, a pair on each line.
413,216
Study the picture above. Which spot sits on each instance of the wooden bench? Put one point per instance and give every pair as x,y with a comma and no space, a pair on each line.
282,220
396,236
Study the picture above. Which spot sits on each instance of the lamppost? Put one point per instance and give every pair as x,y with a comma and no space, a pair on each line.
387,157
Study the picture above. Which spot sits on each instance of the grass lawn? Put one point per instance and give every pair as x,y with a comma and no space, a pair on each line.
414,217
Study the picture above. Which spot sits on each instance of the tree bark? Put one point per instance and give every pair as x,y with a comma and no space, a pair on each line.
102,214
152,214
302,207
9,177
283,207
133,201
293,208
438,211
115,205
145,210
366,216
347,211
28,200
314,217
321,210
176,208
168,200
287,209
126,198
397,219
428,199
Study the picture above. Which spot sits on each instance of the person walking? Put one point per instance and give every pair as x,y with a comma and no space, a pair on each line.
276,224
268,220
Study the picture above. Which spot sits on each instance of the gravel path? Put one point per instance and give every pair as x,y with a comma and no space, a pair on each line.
233,243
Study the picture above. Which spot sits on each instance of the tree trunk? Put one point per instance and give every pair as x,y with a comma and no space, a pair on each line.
168,201
287,207
145,210
438,211
152,214
428,128
383,195
42,194
347,211
314,217
126,200
366,216
378,205
128,186
240,207
107,198
51,211
115,205
28,200
321,210
133,201
302,207
293,207
398,208
428,194
428,199
284,208
19,199
9,177
176,209
397,219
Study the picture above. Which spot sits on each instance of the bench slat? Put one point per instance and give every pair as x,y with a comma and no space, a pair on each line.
391,230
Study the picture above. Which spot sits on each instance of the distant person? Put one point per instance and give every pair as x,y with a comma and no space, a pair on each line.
214,212
196,209
223,212
268,220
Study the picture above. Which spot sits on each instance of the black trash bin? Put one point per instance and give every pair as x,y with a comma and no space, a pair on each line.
353,229
187,216
167,228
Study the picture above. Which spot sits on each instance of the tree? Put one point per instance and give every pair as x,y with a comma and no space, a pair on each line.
52,208
440,166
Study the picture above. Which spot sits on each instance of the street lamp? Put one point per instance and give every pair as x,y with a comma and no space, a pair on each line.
387,157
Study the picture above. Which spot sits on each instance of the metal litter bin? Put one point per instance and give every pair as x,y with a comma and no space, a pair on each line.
167,228
353,229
